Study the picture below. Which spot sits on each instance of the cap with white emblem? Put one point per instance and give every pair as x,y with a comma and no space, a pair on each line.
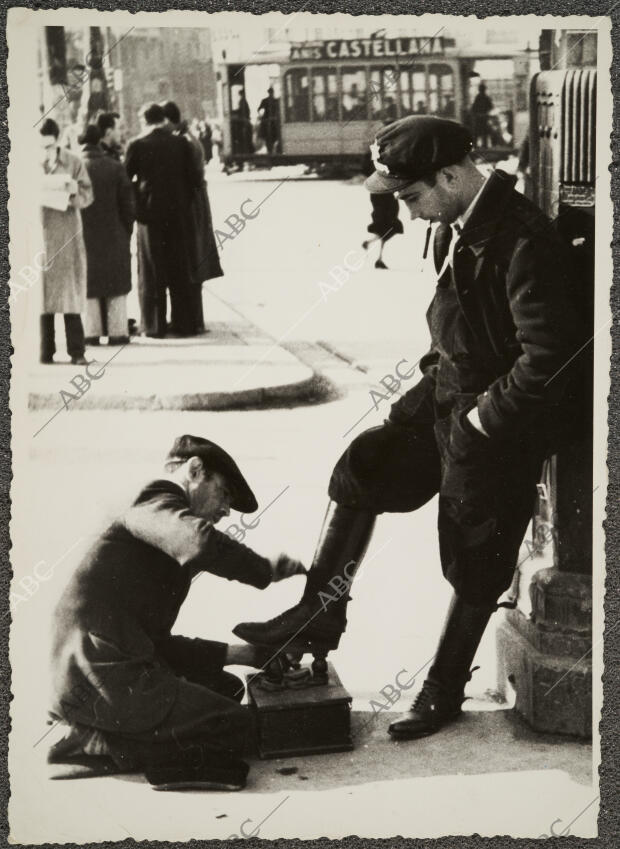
415,147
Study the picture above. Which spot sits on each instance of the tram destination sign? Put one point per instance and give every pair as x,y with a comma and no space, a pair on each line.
366,48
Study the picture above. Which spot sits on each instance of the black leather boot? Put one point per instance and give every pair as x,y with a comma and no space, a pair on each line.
443,693
317,622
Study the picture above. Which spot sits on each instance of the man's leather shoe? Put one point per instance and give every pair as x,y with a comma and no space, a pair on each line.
433,708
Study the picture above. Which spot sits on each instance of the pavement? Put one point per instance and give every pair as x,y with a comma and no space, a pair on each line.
234,365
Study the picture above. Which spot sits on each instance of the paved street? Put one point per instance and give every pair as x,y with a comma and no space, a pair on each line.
355,332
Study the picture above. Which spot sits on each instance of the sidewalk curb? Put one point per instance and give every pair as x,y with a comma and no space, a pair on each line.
312,390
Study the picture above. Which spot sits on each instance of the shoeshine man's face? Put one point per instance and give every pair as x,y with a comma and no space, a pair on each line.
440,202
209,494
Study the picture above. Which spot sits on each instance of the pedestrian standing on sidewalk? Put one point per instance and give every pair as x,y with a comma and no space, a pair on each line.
206,263
165,178
109,124
108,223
66,188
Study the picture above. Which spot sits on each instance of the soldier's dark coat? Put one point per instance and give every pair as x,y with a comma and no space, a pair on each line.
114,660
508,346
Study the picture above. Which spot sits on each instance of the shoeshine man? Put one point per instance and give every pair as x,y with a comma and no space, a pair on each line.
501,389
128,696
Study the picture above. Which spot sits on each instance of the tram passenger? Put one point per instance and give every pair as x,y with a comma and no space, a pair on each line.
354,104
269,126
481,109
242,126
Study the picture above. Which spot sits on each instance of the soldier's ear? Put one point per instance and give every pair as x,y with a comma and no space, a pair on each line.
449,174
195,467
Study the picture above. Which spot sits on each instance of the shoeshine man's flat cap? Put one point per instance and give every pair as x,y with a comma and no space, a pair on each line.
415,147
216,460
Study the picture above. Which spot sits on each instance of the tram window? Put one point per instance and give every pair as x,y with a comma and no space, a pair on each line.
324,94
354,94
413,91
296,95
383,93
441,91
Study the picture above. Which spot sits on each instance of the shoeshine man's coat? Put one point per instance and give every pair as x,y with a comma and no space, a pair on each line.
121,603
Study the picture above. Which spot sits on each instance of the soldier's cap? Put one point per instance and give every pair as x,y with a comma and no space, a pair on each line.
413,148
215,459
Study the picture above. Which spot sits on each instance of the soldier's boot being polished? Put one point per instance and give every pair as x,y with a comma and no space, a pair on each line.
443,693
318,621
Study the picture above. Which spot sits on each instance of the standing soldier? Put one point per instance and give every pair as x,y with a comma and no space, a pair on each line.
491,404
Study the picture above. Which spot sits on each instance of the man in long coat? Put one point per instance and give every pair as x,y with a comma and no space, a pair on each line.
129,694
166,177
206,261
108,223
66,190
500,389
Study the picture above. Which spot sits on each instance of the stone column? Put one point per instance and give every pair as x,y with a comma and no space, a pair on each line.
544,652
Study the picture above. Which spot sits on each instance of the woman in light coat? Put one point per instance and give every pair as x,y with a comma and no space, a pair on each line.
66,190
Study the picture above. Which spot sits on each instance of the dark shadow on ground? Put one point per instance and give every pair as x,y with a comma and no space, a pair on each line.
479,743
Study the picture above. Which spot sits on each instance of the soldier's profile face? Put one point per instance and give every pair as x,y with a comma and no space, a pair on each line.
210,497
430,203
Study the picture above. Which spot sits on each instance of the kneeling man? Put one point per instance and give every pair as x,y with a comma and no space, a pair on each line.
130,695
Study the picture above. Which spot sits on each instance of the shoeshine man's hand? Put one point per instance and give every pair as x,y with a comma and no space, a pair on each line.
474,419
285,567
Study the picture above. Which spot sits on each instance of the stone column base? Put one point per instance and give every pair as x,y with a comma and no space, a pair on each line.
551,677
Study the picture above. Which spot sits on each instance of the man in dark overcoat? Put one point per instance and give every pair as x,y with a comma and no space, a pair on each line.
129,695
206,260
496,395
165,175
269,126
107,224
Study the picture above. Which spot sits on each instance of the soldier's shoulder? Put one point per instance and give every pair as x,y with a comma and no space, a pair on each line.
529,219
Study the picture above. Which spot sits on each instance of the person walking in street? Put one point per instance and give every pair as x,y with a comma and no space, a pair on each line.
384,221
206,261
128,695
166,177
501,389
107,223
66,189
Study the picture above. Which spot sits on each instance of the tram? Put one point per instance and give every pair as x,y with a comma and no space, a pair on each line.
332,96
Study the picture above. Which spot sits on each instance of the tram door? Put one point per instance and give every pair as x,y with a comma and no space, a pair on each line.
237,129
562,163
